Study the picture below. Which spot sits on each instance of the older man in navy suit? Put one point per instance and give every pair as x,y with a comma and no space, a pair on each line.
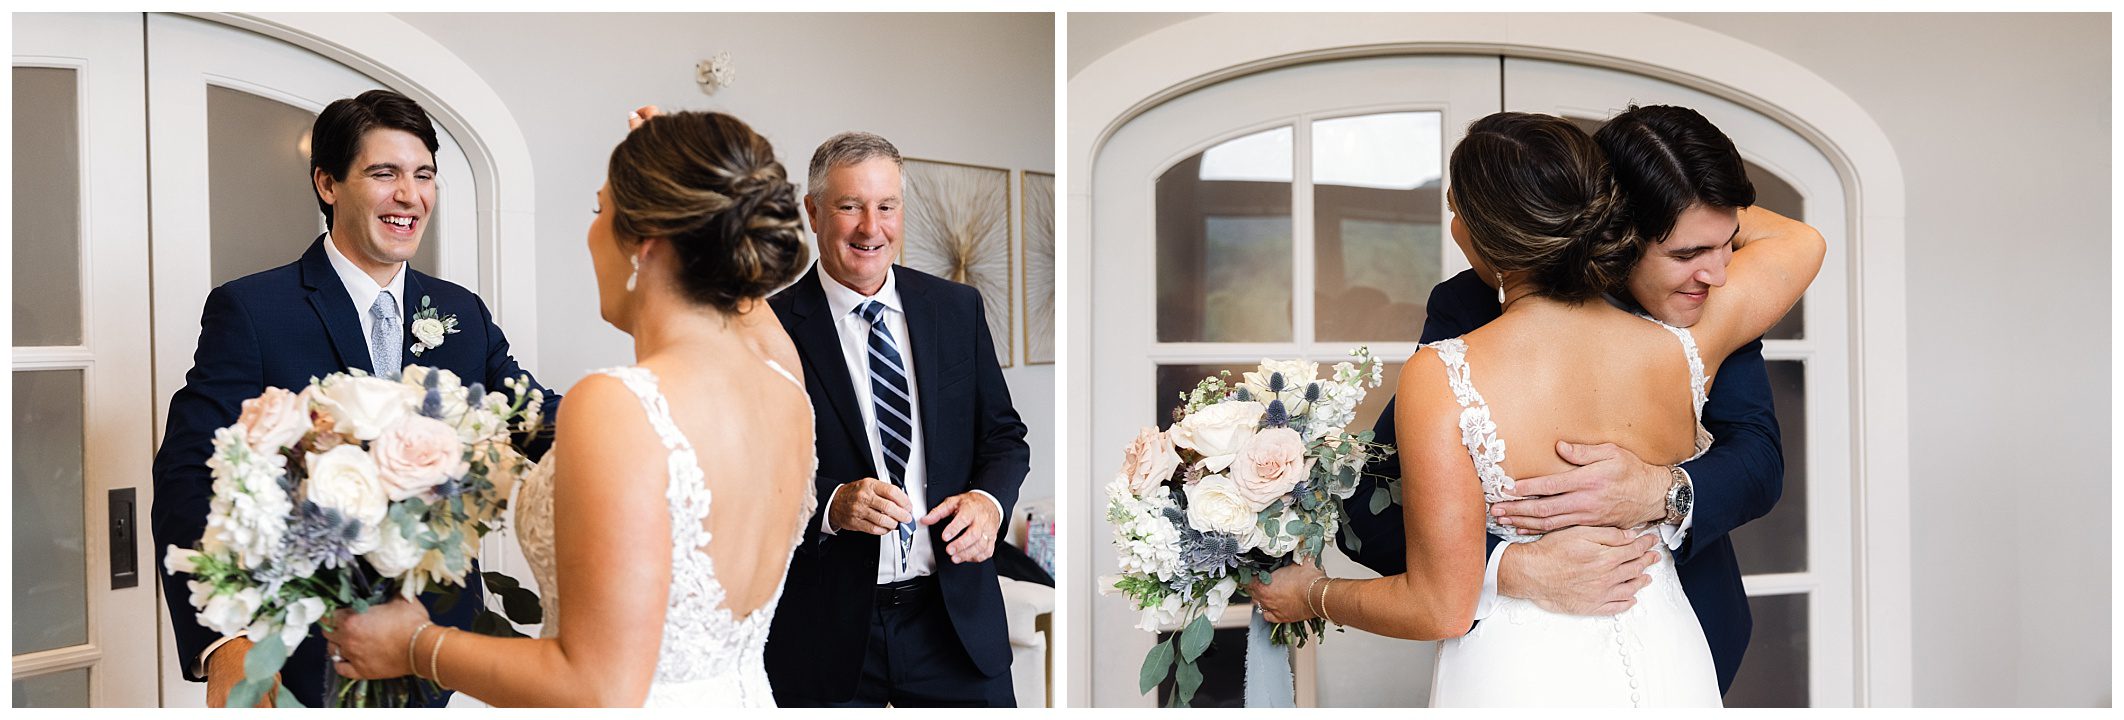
348,303
1670,161
892,598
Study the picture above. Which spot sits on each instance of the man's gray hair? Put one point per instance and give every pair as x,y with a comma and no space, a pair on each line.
848,148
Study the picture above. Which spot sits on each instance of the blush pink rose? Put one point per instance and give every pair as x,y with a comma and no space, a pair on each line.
415,454
1269,465
274,420
1149,461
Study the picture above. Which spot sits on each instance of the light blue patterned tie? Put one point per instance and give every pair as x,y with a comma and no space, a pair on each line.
384,335
893,407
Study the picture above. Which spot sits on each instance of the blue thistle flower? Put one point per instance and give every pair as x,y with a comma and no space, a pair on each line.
1243,395
1312,392
1276,382
1277,415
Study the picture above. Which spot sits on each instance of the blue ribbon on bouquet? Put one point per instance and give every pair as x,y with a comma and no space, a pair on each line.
1269,683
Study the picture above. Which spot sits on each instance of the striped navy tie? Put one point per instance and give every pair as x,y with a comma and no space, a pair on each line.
893,407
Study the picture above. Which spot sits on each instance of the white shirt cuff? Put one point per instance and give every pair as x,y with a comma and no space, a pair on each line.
826,518
1488,601
201,661
1005,529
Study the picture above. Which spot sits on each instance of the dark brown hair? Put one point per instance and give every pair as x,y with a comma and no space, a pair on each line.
1668,159
711,186
1537,196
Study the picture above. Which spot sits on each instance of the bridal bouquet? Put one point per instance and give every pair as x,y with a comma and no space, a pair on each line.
346,494
1251,477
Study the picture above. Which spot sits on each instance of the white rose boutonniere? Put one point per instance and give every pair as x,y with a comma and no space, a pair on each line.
429,327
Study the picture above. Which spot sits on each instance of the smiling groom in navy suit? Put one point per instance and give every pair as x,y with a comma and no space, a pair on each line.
348,303
892,598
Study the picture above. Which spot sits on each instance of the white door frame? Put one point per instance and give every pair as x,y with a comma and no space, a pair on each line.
1196,53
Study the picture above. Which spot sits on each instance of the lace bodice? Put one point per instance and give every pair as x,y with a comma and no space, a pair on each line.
1478,431
708,656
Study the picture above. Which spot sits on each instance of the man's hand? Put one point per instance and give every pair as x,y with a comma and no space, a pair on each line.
1579,570
971,536
224,669
1610,488
870,505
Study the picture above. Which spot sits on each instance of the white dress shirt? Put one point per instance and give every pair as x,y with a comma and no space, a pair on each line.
854,333
361,289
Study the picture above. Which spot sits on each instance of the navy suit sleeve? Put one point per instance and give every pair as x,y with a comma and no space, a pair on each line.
225,372
502,366
1742,476
1001,456
1451,312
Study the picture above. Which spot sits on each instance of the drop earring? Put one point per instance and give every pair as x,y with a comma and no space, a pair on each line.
637,262
1500,288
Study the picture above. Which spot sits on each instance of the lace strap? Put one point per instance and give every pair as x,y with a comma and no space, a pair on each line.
1696,363
1478,433
643,383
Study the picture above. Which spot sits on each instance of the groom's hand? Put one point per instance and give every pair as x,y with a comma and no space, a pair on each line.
224,669
869,505
1610,487
971,536
1579,570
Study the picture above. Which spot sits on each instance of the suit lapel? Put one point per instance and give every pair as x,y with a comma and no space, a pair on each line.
328,296
820,345
414,292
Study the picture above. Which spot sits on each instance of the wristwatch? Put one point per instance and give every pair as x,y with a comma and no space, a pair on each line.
1681,496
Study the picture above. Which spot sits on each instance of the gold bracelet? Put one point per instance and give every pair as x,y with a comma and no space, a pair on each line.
1309,606
434,654
1324,602
412,660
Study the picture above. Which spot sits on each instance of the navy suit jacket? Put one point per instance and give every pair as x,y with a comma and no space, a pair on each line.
972,439
279,328
1739,480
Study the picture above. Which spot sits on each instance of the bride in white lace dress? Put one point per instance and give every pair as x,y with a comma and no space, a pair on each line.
1536,206
661,525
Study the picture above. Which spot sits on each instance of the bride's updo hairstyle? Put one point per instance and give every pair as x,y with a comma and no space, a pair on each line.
1668,159
1536,195
711,186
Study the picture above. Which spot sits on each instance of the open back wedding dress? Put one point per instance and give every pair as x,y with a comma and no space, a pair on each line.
1652,655
709,658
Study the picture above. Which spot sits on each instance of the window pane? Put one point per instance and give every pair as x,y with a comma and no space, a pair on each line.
69,689
1774,194
51,556
1224,243
1376,224
1773,673
262,210
1223,667
1777,542
47,198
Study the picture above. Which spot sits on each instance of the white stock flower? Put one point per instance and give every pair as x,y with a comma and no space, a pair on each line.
1145,541
1216,505
228,613
248,514
345,479
1217,431
363,406
180,560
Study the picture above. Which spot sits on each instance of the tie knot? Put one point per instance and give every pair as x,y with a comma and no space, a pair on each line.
385,307
871,310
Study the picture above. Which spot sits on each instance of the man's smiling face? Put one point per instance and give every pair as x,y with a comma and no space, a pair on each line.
1675,275
380,210
857,217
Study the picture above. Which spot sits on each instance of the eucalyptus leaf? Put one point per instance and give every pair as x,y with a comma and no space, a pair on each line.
1294,526
1380,500
1349,537
1186,680
246,693
264,659
1195,639
283,698
1155,666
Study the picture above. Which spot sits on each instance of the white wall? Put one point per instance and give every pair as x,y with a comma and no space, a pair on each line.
2002,125
967,88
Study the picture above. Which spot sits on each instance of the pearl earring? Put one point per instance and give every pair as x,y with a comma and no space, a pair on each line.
637,262
1500,288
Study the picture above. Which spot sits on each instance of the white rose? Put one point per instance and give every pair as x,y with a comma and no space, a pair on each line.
1217,431
396,554
1215,505
363,407
1269,465
1296,374
345,479
229,613
429,331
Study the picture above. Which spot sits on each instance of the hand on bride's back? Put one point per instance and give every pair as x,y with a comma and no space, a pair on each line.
1580,570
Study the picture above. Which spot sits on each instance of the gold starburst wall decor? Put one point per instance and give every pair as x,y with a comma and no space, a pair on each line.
957,226
1037,215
